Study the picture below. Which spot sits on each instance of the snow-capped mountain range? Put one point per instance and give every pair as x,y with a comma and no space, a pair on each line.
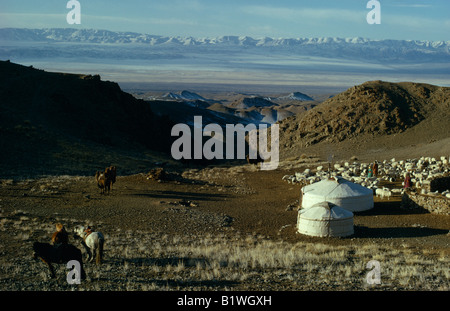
112,37
404,50
135,57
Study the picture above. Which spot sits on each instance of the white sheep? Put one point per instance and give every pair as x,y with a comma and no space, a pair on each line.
289,179
383,192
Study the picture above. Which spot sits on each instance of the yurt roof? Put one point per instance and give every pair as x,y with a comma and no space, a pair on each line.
325,211
336,187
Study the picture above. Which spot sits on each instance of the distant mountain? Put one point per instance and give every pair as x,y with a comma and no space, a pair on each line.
254,101
361,48
296,96
258,109
184,95
240,108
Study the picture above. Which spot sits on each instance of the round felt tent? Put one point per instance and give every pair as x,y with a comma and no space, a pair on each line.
325,219
337,190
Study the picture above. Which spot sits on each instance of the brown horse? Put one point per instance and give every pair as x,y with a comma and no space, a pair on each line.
254,161
106,179
102,182
111,174
58,254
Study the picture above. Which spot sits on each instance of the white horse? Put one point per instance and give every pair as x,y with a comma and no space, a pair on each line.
93,242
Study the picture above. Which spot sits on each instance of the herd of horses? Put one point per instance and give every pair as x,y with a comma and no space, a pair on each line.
106,179
60,251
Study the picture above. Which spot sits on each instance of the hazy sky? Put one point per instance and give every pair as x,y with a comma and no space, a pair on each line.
400,19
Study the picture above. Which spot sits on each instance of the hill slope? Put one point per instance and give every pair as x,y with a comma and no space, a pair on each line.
50,119
372,115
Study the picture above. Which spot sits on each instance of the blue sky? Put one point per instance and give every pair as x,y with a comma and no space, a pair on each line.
400,19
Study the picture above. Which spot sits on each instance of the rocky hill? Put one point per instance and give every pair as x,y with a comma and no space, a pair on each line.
374,111
266,109
55,120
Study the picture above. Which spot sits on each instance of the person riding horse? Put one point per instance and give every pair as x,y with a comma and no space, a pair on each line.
60,239
60,236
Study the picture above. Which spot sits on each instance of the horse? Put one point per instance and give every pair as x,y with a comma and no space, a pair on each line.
93,242
254,161
111,174
103,182
58,254
106,179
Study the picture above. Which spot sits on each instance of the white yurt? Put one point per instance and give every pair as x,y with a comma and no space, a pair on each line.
337,190
325,219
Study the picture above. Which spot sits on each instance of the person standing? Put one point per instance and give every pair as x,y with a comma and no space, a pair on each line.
370,171
407,182
375,169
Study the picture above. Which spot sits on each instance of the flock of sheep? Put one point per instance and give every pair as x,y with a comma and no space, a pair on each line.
421,171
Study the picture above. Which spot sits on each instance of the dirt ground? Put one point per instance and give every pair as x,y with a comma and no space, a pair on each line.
211,201
240,201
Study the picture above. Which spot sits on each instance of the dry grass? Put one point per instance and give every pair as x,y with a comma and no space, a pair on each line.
150,261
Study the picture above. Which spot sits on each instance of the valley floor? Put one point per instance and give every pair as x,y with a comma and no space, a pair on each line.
214,229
